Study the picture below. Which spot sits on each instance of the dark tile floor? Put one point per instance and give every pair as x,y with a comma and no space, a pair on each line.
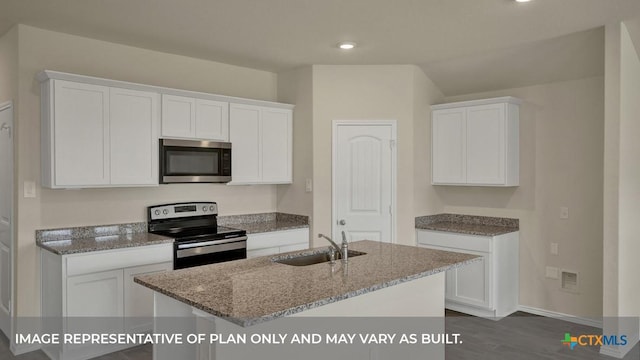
519,336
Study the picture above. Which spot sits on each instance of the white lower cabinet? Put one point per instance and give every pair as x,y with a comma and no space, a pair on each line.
488,287
138,312
95,293
276,242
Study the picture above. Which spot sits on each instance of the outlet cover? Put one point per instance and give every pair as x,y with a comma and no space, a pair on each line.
551,272
554,248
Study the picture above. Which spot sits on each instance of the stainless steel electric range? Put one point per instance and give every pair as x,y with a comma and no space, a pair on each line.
198,238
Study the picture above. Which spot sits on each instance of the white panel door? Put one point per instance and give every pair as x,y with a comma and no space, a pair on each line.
245,135
486,144
138,300
134,137
212,120
81,133
276,146
363,181
448,152
6,214
178,116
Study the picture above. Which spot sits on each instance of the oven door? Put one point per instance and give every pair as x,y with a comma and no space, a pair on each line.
186,161
209,252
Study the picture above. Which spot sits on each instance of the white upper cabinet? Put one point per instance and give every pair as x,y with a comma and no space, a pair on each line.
476,143
133,137
245,131
261,139
79,135
97,136
104,133
449,147
193,118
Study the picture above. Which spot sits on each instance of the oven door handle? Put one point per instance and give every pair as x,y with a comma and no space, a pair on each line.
216,247
209,243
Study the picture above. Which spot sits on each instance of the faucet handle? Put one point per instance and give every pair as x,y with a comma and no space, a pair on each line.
344,237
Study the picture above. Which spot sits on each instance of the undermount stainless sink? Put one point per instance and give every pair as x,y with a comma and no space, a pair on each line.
304,260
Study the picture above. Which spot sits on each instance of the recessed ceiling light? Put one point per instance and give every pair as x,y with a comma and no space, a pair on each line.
346,45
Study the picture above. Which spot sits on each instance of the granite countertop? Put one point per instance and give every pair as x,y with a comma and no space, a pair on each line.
248,292
468,224
264,222
115,236
96,238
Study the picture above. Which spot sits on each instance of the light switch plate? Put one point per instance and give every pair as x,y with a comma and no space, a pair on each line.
554,248
29,189
551,272
308,185
564,212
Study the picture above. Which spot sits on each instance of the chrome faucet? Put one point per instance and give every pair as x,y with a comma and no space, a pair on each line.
344,250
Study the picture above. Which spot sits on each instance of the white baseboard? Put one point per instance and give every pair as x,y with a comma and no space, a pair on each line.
561,316
617,352
610,351
620,352
23,348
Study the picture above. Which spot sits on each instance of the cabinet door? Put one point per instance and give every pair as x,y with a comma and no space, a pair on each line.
95,295
262,252
448,151
486,154
276,146
81,134
245,136
134,137
471,284
212,120
138,300
178,116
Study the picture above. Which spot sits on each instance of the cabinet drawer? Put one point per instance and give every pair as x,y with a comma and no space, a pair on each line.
453,240
118,259
278,238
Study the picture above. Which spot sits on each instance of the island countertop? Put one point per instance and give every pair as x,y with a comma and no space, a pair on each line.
248,292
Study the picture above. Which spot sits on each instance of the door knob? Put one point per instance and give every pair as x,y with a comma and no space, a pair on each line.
342,222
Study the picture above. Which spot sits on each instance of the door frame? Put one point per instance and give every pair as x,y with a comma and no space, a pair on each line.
394,168
4,106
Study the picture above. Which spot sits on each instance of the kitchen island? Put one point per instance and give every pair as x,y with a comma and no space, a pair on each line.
259,294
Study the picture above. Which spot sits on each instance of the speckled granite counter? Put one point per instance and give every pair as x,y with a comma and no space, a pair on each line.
468,224
248,292
264,222
108,237
96,238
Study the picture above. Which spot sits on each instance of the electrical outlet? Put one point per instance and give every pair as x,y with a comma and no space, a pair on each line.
564,212
308,185
554,248
551,272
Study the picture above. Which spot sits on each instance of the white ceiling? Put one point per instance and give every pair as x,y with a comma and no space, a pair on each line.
449,39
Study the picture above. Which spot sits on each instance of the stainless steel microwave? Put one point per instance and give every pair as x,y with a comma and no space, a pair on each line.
189,161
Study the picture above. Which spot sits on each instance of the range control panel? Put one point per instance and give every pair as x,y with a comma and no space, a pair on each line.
182,210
